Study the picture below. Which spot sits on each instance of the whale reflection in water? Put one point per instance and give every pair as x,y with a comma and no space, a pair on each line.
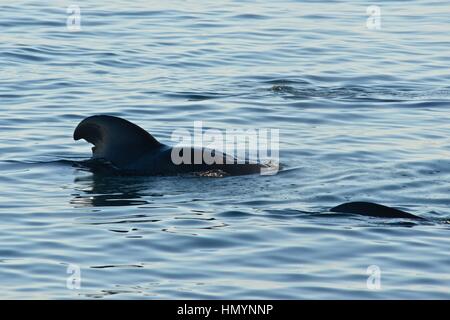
105,191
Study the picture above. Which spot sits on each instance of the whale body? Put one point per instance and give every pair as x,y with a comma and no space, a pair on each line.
129,149
373,210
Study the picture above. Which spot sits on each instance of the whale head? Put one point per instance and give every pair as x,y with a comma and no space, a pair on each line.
115,140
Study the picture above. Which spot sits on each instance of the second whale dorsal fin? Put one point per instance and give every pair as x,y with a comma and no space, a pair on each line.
373,210
115,139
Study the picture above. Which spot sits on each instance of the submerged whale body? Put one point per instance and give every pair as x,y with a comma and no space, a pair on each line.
128,149
373,210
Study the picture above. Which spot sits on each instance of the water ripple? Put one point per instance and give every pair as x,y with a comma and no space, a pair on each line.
363,116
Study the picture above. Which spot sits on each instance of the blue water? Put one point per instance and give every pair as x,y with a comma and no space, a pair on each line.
363,115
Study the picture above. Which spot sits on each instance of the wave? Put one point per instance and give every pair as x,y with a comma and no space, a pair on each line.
304,90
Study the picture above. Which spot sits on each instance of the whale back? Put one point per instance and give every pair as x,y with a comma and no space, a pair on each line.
115,140
372,210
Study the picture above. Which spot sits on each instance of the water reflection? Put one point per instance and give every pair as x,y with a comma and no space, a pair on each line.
103,191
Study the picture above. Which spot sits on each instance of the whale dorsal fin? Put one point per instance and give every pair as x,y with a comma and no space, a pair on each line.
373,210
115,139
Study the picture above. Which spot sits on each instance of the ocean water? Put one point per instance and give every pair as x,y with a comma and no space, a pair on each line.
363,115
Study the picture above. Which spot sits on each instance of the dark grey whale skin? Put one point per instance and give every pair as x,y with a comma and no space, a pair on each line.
131,150
373,210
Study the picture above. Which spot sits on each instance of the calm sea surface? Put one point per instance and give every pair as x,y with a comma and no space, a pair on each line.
363,115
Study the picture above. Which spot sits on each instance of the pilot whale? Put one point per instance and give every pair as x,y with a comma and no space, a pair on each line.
129,149
373,210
